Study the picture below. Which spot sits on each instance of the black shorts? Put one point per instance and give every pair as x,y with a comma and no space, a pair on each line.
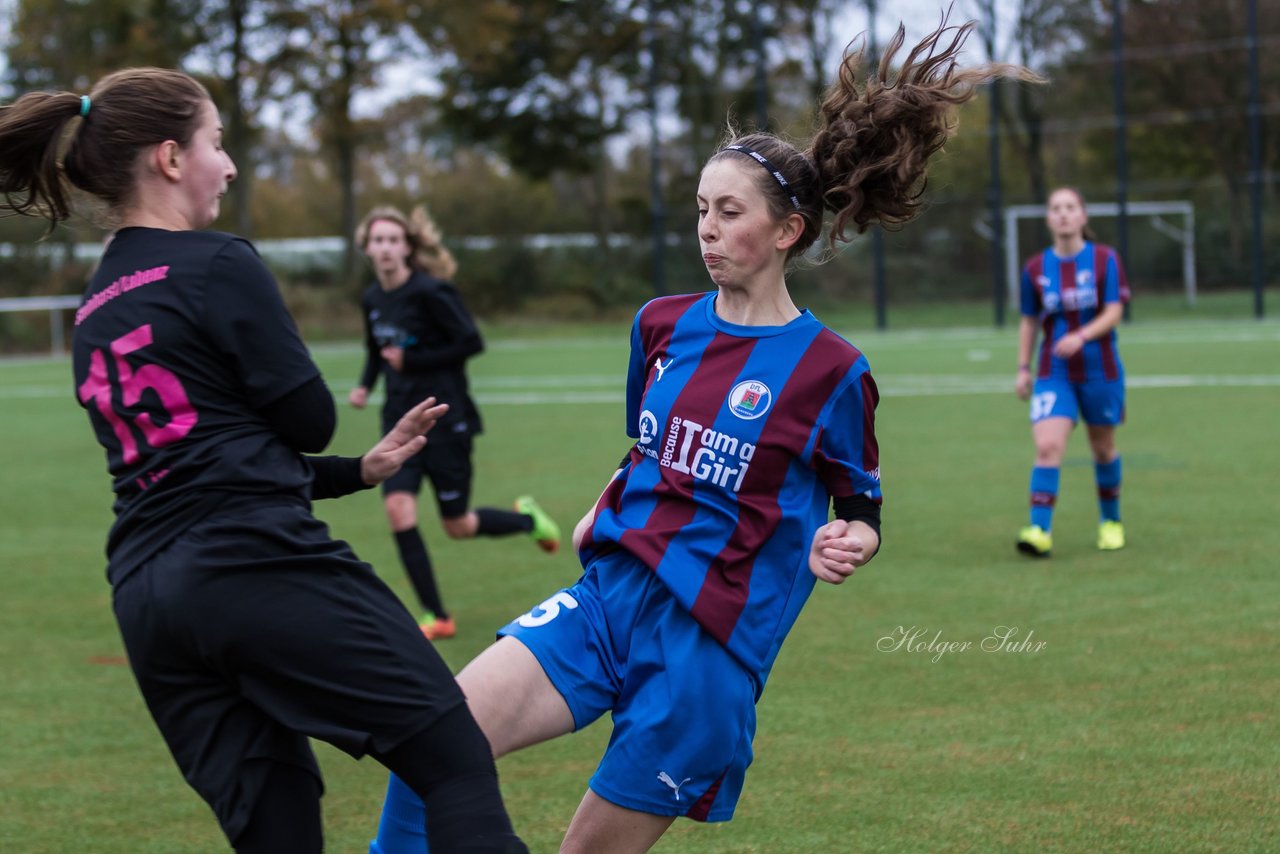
255,629
446,462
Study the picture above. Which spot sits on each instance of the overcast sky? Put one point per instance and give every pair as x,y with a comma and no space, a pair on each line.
920,16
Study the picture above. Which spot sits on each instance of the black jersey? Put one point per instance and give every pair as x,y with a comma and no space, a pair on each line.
181,340
426,317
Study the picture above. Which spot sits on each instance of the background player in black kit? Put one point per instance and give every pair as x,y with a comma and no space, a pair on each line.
248,628
419,335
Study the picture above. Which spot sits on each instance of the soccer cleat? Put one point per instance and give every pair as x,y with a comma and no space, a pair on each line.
434,628
1110,536
545,530
1035,541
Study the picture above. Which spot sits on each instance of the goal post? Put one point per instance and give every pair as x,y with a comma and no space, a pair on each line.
1185,236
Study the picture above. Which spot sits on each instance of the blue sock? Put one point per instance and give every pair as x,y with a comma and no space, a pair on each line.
402,827
1108,475
1044,494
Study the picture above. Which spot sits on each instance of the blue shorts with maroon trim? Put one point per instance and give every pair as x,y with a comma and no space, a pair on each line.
683,707
1099,402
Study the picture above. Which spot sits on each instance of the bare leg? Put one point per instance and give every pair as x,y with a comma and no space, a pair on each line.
402,510
462,527
1102,440
601,827
512,699
1050,436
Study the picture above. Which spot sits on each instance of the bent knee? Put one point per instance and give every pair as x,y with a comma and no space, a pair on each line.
401,509
460,527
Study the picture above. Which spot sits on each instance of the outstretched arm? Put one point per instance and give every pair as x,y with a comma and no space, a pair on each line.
405,439
338,476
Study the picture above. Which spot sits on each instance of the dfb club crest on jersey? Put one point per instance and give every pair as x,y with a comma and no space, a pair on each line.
750,399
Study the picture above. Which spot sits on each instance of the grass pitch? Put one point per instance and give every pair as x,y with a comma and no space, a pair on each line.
1139,716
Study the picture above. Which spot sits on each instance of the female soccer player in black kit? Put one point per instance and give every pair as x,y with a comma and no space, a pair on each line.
247,626
419,335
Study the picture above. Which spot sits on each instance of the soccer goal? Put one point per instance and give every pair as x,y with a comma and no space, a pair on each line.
1157,211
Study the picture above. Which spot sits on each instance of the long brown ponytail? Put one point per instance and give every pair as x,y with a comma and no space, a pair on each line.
103,134
868,161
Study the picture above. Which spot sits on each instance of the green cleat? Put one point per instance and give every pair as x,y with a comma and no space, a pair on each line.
1035,541
1110,536
435,628
545,530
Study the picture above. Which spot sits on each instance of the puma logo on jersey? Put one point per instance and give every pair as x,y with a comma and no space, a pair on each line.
675,787
662,369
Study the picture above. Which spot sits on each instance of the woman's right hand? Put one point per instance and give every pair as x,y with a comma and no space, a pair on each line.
358,397
1023,384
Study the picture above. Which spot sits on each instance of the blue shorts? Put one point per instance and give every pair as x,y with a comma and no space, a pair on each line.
683,707
1100,402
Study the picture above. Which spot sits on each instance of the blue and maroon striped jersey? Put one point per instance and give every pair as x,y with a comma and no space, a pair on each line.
744,435
1067,293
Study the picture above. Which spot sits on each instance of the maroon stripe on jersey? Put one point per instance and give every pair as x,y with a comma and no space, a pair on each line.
658,321
1110,365
834,475
1067,282
870,447
1122,282
702,808
1035,271
787,428
1046,346
701,398
1075,365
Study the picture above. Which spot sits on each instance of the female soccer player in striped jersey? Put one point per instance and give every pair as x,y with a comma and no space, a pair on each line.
751,420
1075,292
248,627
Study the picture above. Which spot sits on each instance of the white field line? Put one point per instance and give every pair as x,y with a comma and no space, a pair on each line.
598,388
1242,332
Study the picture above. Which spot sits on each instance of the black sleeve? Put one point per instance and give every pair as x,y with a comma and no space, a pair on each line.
335,477
858,508
462,336
372,352
305,417
246,318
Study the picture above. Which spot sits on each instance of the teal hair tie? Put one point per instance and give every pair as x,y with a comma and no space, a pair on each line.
84,105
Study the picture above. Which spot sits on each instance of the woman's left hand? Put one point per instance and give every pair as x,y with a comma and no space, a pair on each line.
394,356
405,439
1068,345
839,548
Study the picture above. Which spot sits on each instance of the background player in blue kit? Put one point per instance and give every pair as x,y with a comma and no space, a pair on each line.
1074,292
419,335
752,419
247,627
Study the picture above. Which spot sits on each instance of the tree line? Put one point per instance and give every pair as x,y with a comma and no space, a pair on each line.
532,116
